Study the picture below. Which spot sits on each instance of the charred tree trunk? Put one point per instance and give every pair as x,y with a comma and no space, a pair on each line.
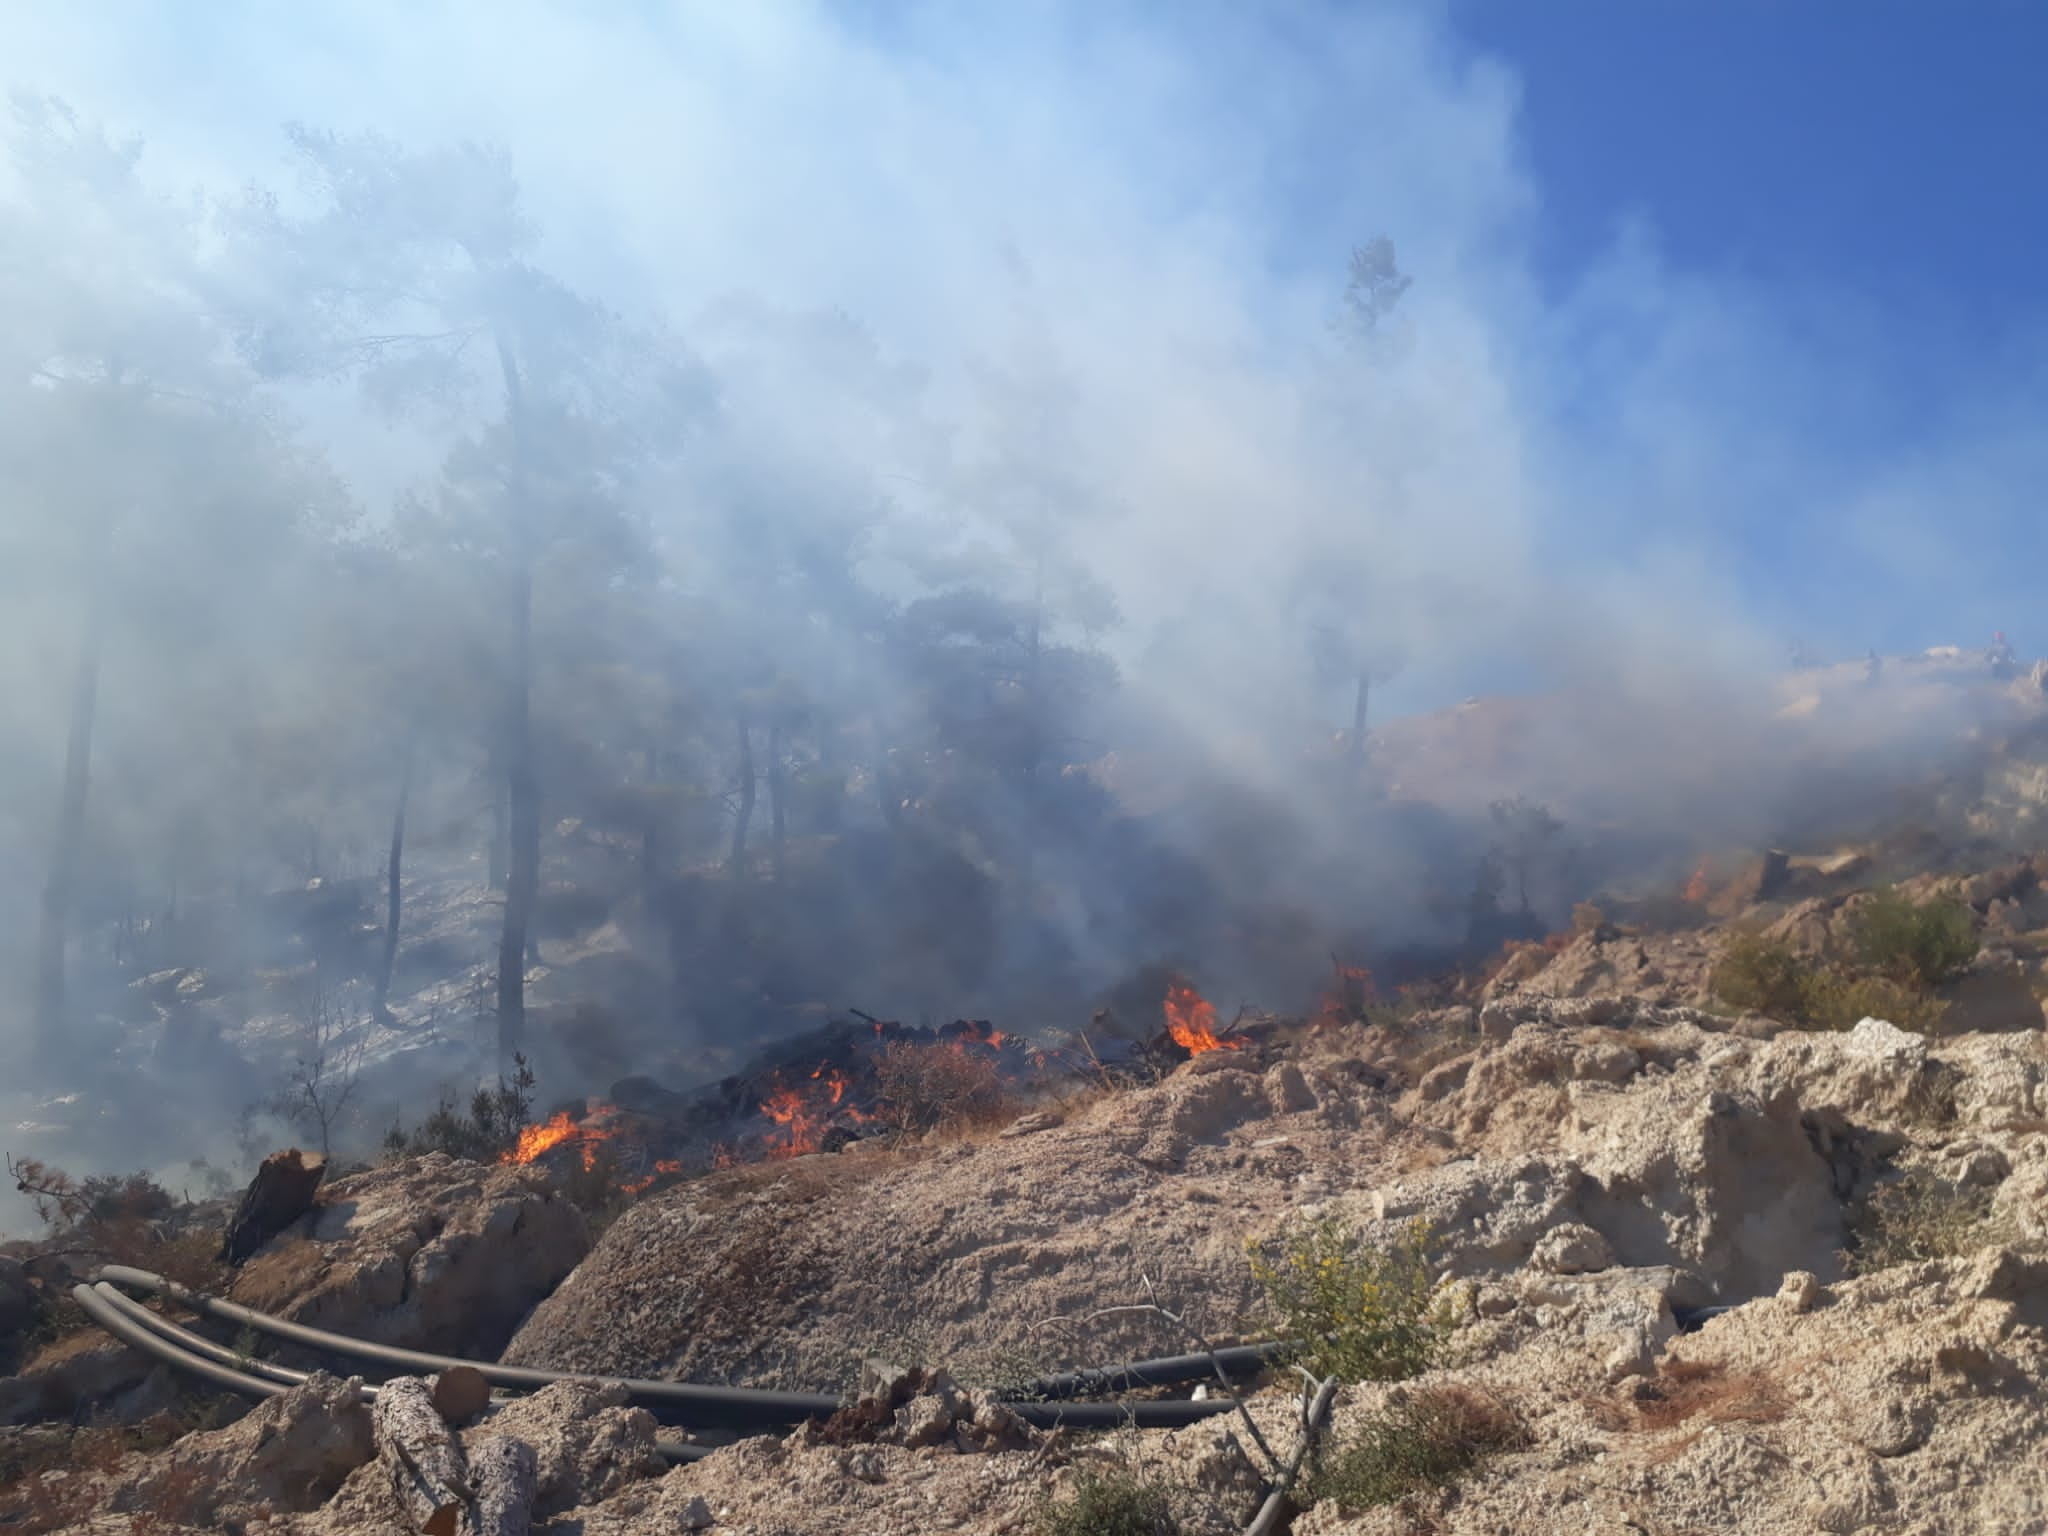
279,1195
737,863
1034,672
830,801
60,888
1358,712
522,787
501,822
777,822
506,1474
650,828
422,1459
393,890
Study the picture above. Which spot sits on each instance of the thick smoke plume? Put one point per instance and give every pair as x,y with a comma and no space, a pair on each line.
808,506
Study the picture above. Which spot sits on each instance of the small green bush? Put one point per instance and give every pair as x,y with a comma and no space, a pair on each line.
1761,975
489,1131
1108,1503
1430,1440
1917,1218
1357,1312
1768,976
1918,944
1833,999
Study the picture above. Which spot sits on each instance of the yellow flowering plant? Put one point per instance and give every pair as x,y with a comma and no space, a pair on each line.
1355,1310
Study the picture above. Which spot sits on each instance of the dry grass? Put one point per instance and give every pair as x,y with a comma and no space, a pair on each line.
1691,1395
43,1502
923,1087
1917,1218
280,1274
1429,1441
118,1219
801,1180
54,1480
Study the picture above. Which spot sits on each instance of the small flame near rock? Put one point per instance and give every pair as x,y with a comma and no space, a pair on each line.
1351,992
536,1141
803,1114
1696,889
1191,1020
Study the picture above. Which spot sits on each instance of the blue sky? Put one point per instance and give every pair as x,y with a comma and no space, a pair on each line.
1866,175
1883,145
1727,326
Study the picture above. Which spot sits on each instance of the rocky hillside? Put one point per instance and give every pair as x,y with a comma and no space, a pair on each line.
1703,1272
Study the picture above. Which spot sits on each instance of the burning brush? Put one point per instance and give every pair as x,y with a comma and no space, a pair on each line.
1191,1021
841,1085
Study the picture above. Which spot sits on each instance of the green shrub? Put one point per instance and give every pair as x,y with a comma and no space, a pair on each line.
1768,976
1429,1440
1108,1503
1761,975
1918,944
1833,999
1357,1312
489,1131
1917,1218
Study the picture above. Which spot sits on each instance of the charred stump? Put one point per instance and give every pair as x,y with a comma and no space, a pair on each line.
279,1195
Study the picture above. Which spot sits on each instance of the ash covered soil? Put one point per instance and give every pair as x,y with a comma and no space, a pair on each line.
1601,1160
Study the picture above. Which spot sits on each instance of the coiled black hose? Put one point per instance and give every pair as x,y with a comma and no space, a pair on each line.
736,1408
162,1339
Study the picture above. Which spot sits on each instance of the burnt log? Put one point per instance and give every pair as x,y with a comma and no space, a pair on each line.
461,1393
507,1474
1773,874
423,1460
279,1195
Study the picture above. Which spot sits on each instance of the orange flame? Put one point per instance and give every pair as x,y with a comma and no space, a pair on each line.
804,1115
1696,887
1348,996
537,1139
1191,1020
560,1128
663,1167
980,1033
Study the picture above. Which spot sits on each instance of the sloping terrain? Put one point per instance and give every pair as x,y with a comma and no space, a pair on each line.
1596,1169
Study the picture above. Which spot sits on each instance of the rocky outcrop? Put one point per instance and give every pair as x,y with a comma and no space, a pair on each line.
290,1453
970,1252
587,1443
87,1376
432,1253
1643,1210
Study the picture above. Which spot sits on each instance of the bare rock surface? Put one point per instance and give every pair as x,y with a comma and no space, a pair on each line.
1597,1170
966,1252
431,1253
587,1442
1646,1137
291,1453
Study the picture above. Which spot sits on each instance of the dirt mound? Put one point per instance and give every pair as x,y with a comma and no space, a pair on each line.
968,1252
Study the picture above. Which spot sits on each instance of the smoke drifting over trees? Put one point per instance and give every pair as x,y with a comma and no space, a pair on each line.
859,512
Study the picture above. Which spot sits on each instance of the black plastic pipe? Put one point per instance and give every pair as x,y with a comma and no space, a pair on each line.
677,1402
138,1337
197,1344
161,1339
1173,1370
